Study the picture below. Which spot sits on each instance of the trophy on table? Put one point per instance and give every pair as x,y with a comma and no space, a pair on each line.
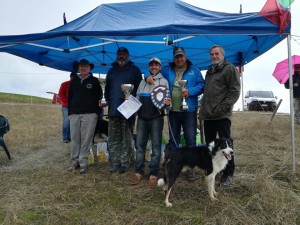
102,82
127,88
182,84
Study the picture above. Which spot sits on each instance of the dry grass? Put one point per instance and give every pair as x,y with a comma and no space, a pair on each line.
36,189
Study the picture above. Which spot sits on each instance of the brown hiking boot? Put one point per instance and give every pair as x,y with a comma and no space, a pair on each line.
152,181
136,179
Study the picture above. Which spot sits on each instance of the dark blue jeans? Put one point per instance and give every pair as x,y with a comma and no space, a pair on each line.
188,122
145,128
65,124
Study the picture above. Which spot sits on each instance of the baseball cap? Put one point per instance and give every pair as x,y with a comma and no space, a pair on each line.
178,51
123,49
154,59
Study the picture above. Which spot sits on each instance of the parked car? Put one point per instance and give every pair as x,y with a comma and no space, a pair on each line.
260,100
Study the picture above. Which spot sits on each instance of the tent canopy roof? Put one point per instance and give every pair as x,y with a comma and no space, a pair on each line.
147,28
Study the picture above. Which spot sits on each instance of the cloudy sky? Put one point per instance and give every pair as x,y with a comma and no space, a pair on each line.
20,76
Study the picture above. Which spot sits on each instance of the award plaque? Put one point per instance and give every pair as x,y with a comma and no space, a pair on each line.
158,96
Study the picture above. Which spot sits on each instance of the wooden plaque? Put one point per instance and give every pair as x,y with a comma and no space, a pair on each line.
158,96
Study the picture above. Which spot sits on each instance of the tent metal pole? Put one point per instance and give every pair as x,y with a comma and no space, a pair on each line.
148,42
44,46
134,41
242,72
91,46
292,117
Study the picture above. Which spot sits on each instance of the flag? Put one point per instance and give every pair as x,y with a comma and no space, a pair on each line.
277,14
65,19
285,3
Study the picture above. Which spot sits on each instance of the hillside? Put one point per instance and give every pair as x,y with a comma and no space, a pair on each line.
26,99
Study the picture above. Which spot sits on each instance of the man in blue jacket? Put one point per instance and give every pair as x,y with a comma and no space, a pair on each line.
182,69
123,71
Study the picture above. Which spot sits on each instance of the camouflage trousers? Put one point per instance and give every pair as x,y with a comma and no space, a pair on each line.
119,141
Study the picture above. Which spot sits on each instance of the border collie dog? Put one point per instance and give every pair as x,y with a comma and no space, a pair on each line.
212,158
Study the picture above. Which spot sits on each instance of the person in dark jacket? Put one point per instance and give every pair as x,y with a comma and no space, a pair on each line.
150,122
221,92
296,92
84,100
182,119
120,129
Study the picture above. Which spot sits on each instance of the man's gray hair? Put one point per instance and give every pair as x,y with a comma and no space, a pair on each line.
218,46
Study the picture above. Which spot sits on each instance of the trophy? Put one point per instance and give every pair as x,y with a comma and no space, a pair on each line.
182,84
102,82
127,88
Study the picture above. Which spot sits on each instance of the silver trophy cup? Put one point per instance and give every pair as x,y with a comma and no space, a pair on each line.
182,84
102,82
127,88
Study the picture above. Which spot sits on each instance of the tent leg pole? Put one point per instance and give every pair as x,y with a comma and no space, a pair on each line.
292,117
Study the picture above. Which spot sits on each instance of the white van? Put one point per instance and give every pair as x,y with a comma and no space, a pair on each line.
260,100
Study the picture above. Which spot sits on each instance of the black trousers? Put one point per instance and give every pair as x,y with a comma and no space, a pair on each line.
221,127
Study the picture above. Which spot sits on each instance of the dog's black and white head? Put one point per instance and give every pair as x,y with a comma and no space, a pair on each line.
222,145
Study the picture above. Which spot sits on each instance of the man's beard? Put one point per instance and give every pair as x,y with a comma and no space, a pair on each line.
122,61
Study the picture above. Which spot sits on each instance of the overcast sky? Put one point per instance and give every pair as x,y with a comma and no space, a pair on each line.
20,76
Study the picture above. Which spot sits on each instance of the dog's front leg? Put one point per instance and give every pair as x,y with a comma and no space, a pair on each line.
214,186
210,186
168,204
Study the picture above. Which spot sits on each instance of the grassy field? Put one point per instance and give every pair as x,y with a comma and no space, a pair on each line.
37,189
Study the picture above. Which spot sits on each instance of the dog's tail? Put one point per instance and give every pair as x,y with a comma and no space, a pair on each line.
162,181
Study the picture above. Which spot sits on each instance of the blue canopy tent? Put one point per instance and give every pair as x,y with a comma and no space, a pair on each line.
147,29
150,28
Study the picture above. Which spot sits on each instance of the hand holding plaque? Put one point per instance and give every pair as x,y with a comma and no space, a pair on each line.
182,84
